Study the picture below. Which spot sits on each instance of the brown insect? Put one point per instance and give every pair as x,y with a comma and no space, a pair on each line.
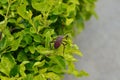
59,41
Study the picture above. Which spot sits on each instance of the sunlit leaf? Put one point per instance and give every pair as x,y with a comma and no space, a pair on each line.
32,49
7,63
52,76
29,30
40,77
23,12
39,64
22,56
22,68
43,50
15,44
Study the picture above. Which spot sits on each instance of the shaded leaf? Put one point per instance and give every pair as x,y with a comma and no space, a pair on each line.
28,39
14,71
22,56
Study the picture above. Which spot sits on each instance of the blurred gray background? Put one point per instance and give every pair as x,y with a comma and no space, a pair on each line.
100,43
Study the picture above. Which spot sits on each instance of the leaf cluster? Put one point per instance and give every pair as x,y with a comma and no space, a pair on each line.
28,29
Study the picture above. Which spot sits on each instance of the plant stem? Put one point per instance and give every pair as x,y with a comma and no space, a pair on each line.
8,8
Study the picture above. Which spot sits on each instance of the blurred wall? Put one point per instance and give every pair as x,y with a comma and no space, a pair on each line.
100,44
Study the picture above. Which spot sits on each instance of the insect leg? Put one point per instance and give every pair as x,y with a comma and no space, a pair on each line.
64,44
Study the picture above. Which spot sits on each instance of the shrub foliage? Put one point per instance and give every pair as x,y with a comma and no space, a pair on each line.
30,30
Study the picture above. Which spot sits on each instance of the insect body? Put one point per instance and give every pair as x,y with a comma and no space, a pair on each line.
58,42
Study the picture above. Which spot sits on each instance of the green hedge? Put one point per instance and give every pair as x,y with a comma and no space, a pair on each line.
36,38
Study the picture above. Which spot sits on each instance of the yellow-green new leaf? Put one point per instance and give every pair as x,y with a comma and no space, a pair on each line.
23,68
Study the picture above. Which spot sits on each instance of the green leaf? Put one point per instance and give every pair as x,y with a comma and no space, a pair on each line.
52,76
38,5
71,67
22,56
47,34
5,78
59,8
4,1
2,44
28,39
43,50
69,21
69,57
74,2
56,69
32,49
37,38
76,50
39,64
32,30
8,35
16,43
23,12
40,77
73,49
23,68
82,73
44,70
7,63
39,57
60,61
38,22
14,71
53,19
8,78
29,77
29,66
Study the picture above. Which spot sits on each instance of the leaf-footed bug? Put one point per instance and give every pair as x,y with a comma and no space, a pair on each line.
59,41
